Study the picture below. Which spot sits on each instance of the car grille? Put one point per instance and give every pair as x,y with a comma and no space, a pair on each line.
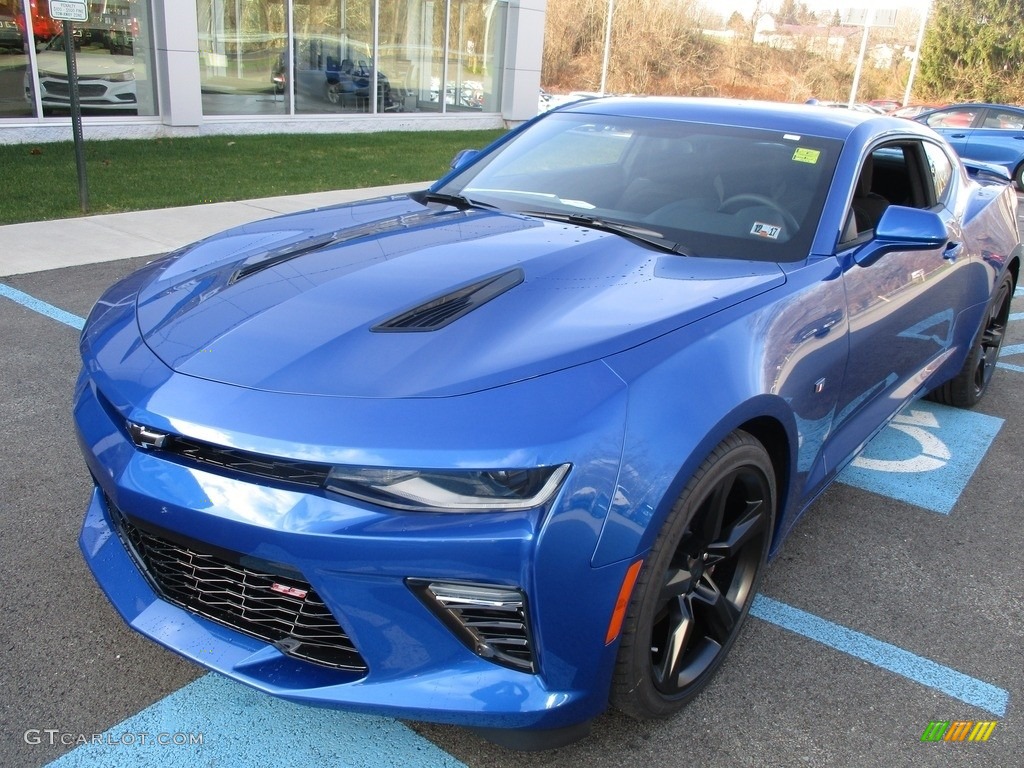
85,90
491,620
276,607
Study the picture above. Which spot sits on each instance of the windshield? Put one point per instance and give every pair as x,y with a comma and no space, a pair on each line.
718,191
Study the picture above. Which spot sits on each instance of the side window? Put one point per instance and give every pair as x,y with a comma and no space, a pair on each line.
1004,120
868,203
941,170
890,175
952,118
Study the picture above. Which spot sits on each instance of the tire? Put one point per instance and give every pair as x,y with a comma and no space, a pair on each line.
697,584
966,389
332,92
1018,177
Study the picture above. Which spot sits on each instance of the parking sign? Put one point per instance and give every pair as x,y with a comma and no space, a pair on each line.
69,10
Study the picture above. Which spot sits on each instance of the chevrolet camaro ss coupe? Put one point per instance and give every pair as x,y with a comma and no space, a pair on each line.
517,447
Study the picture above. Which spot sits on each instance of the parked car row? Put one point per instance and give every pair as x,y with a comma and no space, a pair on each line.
990,133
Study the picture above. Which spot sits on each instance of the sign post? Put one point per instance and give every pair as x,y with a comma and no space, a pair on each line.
67,12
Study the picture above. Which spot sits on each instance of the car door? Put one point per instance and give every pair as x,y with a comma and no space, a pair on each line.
902,306
997,138
955,124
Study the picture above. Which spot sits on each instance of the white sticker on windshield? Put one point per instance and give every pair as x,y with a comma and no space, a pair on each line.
771,231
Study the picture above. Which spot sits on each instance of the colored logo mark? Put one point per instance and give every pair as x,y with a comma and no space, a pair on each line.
958,730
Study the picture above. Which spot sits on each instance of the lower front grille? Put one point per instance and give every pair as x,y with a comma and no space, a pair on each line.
491,620
279,608
85,90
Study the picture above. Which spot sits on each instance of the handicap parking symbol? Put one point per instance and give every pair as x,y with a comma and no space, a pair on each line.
925,456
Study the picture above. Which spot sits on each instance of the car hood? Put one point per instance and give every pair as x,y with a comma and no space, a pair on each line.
87,66
390,298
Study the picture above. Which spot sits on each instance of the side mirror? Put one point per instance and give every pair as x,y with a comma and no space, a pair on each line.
462,157
903,229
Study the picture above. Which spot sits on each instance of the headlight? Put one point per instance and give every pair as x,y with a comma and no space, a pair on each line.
121,77
449,490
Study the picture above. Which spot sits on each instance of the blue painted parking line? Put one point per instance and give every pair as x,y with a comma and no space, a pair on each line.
1017,316
41,307
215,721
925,457
967,689
1010,351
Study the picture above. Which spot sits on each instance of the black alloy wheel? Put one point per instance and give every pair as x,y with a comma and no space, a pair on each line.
992,334
966,389
698,582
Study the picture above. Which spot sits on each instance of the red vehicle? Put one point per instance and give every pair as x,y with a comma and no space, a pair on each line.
886,104
43,27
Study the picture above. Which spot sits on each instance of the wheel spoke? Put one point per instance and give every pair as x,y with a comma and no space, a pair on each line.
742,532
715,613
715,508
672,652
993,336
697,662
678,581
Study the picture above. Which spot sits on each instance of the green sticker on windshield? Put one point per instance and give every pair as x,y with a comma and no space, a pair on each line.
802,155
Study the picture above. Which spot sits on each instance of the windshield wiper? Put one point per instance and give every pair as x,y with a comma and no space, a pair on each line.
458,201
631,231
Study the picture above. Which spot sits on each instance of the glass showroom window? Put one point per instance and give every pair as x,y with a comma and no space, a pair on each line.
243,68
475,48
113,57
334,69
356,56
411,34
15,69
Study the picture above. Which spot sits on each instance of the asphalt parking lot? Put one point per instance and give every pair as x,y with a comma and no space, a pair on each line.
895,603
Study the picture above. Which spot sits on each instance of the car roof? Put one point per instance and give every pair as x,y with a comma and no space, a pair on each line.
979,104
811,120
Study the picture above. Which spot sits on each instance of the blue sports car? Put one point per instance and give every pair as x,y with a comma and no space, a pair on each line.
511,449
991,133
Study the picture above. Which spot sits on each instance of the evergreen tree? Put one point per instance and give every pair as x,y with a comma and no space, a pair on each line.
973,51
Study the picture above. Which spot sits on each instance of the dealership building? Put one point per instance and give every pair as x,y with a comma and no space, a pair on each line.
150,68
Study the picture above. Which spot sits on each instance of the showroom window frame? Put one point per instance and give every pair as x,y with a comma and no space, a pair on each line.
33,66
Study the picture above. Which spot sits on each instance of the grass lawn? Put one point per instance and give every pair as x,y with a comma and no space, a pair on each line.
39,181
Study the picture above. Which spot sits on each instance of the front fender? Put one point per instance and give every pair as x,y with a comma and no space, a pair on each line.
773,365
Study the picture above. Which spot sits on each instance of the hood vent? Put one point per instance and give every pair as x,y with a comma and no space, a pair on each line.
439,312
272,258
279,255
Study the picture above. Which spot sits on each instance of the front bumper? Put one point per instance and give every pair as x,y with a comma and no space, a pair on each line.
93,93
360,560
444,683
